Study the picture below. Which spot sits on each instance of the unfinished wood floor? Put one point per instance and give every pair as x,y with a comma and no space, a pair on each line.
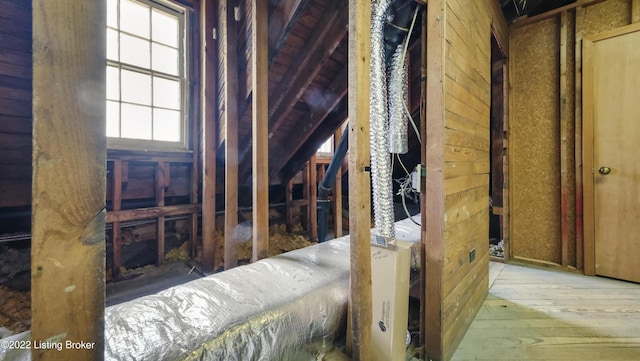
539,314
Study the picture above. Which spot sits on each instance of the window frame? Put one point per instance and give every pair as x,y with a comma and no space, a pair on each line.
184,57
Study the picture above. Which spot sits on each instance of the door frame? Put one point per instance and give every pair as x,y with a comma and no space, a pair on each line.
588,141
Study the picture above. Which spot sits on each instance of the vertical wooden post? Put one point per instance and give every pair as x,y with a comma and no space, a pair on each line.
423,185
160,186
288,197
196,107
635,11
260,107
69,167
230,55
434,194
116,200
306,217
209,142
337,191
564,146
578,136
360,303
313,199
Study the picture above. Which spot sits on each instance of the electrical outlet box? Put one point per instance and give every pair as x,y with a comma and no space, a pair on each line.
472,255
415,178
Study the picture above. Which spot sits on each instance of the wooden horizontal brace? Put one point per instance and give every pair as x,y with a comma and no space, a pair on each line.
151,212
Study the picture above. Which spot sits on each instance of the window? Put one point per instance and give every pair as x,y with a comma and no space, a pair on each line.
146,79
327,146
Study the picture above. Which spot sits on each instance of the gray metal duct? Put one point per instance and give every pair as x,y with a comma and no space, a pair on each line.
381,181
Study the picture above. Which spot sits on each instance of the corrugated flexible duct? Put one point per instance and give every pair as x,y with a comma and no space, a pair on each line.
398,92
381,181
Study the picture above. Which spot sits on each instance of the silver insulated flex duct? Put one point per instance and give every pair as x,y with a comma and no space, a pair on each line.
398,93
381,181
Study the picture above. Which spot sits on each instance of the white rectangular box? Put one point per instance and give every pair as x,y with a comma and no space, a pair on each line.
390,271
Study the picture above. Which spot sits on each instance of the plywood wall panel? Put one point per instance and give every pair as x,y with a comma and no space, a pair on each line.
534,124
606,15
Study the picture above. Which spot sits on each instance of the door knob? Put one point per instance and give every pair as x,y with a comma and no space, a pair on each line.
604,170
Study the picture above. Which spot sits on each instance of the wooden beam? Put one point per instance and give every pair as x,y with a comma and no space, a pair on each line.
313,199
160,189
312,119
283,19
116,199
288,198
579,29
228,40
588,156
336,195
360,303
209,145
69,182
308,63
565,115
151,212
635,11
260,129
435,207
522,21
423,185
196,107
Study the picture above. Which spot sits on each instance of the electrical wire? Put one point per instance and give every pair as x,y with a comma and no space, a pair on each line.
404,56
405,188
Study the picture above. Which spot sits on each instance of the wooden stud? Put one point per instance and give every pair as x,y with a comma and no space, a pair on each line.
635,11
288,196
306,216
229,42
196,100
209,145
116,200
160,189
313,199
260,127
69,182
504,219
423,184
520,22
336,195
579,30
565,116
434,194
359,60
587,131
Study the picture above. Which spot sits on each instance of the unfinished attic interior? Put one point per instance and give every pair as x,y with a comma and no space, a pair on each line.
319,180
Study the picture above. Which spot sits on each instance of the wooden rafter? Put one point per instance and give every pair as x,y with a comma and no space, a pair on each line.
307,63
281,24
313,118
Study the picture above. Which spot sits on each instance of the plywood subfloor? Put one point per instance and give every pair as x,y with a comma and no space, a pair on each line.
539,314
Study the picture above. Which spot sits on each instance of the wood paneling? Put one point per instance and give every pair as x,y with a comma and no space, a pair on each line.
68,223
15,102
457,162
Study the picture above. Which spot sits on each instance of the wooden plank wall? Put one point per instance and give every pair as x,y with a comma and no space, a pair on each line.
15,103
457,161
545,131
464,160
